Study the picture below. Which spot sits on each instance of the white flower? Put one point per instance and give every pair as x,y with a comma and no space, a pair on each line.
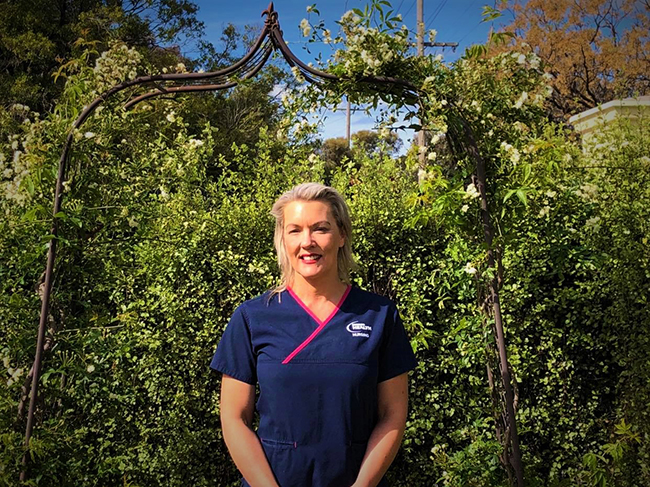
470,269
310,8
443,102
432,156
7,173
522,99
312,158
171,117
471,192
132,222
297,74
180,67
432,35
14,145
89,135
544,211
550,193
464,208
327,36
194,143
514,156
593,223
305,27
587,190
90,369
521,59
534,61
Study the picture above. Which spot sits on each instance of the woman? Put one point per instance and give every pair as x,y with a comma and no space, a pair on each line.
331,361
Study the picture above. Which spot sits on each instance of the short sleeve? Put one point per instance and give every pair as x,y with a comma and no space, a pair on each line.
395,354
234,355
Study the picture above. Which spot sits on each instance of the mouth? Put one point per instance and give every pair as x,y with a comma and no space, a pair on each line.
310,258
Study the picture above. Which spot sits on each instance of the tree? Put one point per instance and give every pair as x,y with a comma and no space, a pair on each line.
374,142
595,50
334,150
36,36
369,142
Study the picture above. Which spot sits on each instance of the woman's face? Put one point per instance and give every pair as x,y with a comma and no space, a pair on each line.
312,240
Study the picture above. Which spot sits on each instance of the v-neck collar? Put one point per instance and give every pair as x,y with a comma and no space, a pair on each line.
311,313
321,324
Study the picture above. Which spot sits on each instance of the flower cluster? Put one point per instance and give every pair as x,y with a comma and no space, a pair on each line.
116,65
471,192
368,50
510,152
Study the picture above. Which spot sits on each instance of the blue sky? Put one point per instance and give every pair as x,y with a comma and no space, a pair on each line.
455,20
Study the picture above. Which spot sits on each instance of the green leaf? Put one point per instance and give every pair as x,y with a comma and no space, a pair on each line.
521,194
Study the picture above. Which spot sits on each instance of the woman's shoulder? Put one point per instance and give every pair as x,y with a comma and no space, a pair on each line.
262,302
371,298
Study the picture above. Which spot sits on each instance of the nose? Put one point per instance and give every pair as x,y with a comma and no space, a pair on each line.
307,240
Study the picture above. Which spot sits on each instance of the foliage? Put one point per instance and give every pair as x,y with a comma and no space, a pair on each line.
36,36
159,224
335,151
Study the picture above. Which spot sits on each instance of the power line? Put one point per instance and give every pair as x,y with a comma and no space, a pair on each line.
463,14
470,31
400,6
409,10
436,12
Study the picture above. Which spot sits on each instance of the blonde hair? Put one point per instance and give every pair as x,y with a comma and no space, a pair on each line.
336,204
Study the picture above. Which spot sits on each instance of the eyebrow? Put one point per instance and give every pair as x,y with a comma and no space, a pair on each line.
322,222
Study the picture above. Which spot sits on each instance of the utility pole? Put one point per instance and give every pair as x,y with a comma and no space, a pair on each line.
421,138
347,128
420,28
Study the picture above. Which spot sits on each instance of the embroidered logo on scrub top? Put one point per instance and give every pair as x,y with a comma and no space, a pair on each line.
359,329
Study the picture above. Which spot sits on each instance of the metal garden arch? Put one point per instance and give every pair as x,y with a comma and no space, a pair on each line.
269,41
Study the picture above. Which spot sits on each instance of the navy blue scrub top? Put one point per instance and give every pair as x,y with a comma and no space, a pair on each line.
318,379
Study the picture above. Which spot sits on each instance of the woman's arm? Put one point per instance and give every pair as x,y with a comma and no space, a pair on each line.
237,406
386,438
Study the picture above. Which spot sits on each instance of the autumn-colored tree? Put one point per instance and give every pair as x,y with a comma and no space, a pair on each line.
596,50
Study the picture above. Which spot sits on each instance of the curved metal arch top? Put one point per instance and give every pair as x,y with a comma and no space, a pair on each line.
270,40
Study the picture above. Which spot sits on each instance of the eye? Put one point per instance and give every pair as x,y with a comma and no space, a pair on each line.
322,229
294,230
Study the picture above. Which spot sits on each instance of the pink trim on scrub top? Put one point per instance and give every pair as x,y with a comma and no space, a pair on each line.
321,324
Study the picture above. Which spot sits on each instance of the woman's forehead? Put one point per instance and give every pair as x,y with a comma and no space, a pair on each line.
307,210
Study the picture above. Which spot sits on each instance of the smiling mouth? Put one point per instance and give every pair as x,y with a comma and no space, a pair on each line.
310,258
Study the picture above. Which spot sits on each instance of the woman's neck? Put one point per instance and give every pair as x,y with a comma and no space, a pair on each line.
309,291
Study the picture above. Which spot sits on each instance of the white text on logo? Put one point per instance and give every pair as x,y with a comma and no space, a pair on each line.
359,329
